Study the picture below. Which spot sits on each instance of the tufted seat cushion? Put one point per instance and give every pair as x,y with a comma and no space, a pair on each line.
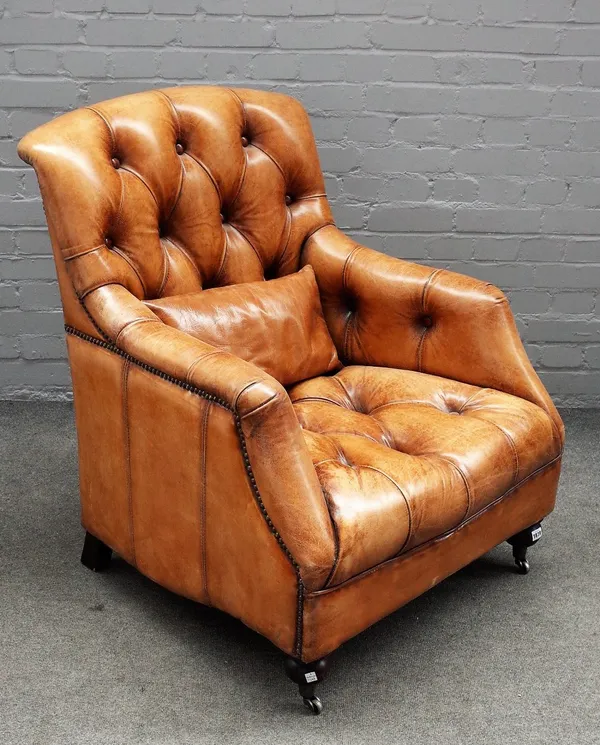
404,457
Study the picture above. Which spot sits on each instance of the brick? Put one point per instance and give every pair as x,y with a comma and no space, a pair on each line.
27,268
409,100
565,330
21,212
33,242
225,7
458,131
321,35
35,374
43,347
405,189
9,348
567,275
322,67
416,130
575,103
407,8
339,159
497,220
496,248
579,42
349,216
513,102
548,191
592,356
411,219
139,63
39,296
128,6
331,97
542,249
529,301
225,66
362,188
48,31
31,93
20,322
586,11
313,7
269,7
23,121
504,70
85,63
449,189
585,134
81,6
557,72
373,129
4,124
9,296
504,132
9,182
135,32
36,61
409,36
450,247
180,64
275,66
176,7
461,70
360,68
504,276
361,7
573,303
521,40
20,7
329,128
498,161
553,132
583,250
404,159
555,355
572,221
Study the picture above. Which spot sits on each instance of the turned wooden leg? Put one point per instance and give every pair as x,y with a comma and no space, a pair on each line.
95,555
521,542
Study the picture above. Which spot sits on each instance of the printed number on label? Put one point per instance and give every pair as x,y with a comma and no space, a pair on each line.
536,534
310,677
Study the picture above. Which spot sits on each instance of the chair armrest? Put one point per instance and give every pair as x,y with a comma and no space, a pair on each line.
385,311
270,438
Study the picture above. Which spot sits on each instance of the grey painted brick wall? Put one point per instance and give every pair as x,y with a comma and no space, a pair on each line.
460,133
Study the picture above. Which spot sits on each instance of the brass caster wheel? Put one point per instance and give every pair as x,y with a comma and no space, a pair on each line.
522,566
314,705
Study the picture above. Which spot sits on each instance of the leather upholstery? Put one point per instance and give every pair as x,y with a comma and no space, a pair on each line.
309,513
286,311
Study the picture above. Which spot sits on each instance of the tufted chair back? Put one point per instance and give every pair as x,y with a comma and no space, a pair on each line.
172,191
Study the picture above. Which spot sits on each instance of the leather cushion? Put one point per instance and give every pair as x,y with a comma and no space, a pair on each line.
277,325
404,457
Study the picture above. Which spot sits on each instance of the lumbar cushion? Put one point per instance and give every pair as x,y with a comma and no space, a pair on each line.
277,325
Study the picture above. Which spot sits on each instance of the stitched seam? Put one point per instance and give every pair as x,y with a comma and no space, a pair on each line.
336,539
260,406
288,230
406,403
193,364
126,259
204,431
242,440
249,242
125,399
271,158
329,224
512,445
423,546
463,476
344,291
472,397
90,317
85,252
186,255
221,269
345,390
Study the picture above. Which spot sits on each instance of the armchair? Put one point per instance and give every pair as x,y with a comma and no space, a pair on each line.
308,509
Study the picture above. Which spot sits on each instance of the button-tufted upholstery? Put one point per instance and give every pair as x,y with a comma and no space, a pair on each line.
308,512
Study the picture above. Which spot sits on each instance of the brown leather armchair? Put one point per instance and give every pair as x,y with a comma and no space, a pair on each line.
311,502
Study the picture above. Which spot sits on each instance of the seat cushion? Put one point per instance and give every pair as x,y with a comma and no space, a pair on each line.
277,325
404,457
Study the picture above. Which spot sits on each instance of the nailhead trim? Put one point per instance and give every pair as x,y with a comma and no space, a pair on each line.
108,345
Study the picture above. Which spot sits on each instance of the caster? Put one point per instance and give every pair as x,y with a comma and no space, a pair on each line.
314,705
307,675
521,542
522,566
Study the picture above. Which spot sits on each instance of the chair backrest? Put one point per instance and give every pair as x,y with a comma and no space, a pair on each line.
173,191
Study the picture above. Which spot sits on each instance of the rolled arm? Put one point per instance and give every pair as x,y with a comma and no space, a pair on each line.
385,311
270,436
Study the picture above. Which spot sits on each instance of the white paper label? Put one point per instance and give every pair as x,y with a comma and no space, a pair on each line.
310,677
536,534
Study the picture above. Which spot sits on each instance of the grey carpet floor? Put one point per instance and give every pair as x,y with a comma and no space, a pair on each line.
486,657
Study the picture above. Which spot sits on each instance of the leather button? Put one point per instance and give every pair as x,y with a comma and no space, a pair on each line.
427,321
245,142
179,148
288,199
108,242
115,162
